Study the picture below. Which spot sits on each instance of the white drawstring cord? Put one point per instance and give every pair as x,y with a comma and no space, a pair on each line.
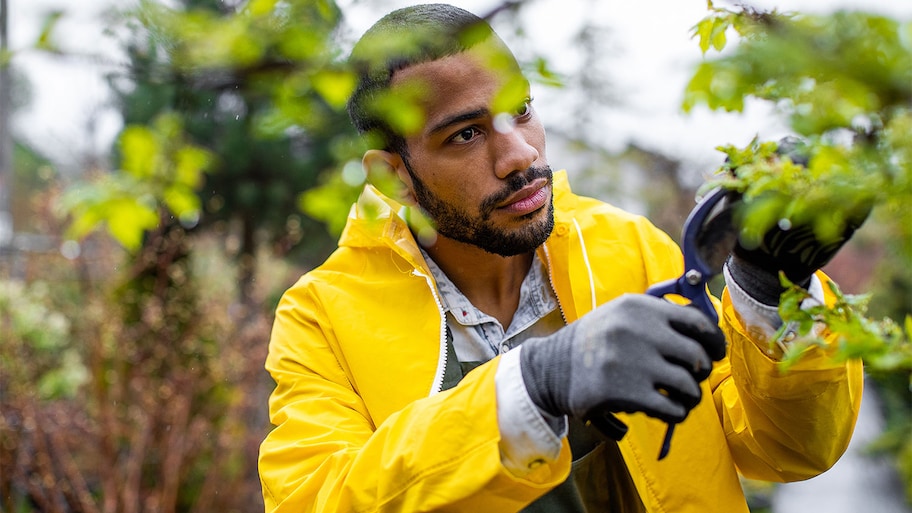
579,233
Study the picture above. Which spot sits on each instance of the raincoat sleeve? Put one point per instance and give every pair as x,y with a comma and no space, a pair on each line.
325,453
783,425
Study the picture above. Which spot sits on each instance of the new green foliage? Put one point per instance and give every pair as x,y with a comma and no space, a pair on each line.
844,83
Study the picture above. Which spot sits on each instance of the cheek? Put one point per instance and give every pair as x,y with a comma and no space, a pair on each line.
453,190
437,180
448,176
536,138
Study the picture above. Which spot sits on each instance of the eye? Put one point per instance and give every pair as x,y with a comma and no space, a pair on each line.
524,110
465,135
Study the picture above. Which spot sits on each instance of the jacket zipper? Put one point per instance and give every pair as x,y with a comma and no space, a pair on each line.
437,386
560,306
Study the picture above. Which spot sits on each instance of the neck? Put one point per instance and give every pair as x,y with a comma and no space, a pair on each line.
491,282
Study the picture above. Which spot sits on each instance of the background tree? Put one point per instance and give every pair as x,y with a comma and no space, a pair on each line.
242,77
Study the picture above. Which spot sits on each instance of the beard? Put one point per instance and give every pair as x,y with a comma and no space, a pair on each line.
454,221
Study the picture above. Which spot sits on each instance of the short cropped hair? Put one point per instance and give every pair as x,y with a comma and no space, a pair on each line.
403,38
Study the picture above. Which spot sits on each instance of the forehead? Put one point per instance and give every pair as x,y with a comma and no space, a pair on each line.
485,77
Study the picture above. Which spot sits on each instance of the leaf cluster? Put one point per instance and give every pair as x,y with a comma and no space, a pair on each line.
843,82
161,171
884,344
822,71
776,191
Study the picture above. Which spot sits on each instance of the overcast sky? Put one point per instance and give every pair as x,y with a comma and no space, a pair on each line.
653,56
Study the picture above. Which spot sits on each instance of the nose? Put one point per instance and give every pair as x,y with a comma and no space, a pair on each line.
512,151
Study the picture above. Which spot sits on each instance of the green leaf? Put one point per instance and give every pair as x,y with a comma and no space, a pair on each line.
403,110
716,86
717,34
511,95
190,163
334,86
710,31
46,36
697,89
128,219
140,149
541,72
261,7
329,201
182,201
703,32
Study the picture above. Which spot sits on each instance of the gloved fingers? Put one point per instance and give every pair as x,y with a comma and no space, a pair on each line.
679,385
657,405
666,392
695,325
697,363
687,352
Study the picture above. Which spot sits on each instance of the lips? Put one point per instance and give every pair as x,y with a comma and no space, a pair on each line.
528,199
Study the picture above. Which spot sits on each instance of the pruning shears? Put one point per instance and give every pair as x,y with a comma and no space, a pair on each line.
708,237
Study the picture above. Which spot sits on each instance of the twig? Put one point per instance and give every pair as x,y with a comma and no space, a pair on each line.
132,483
44,468
79,491
508,5
175,447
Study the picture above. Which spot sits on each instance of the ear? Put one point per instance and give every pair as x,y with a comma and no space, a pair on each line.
380,166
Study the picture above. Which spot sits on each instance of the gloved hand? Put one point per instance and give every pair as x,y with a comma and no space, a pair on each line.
795,250
635,353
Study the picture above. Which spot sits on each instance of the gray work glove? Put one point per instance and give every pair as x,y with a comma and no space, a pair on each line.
636,353
796,251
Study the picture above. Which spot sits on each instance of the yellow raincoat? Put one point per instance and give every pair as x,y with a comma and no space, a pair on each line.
358,353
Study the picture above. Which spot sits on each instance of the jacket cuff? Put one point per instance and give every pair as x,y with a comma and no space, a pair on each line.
529,437
763,319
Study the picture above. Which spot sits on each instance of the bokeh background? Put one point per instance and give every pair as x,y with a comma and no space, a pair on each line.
132,337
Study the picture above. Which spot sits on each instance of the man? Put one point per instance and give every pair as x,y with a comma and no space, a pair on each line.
456,370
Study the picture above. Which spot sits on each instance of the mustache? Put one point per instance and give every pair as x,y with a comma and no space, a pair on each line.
515,183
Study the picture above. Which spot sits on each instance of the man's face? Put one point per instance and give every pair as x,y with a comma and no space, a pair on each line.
479,174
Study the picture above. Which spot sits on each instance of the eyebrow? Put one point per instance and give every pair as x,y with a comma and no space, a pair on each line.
458,118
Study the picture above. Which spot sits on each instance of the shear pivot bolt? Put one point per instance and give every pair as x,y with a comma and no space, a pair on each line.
693,276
